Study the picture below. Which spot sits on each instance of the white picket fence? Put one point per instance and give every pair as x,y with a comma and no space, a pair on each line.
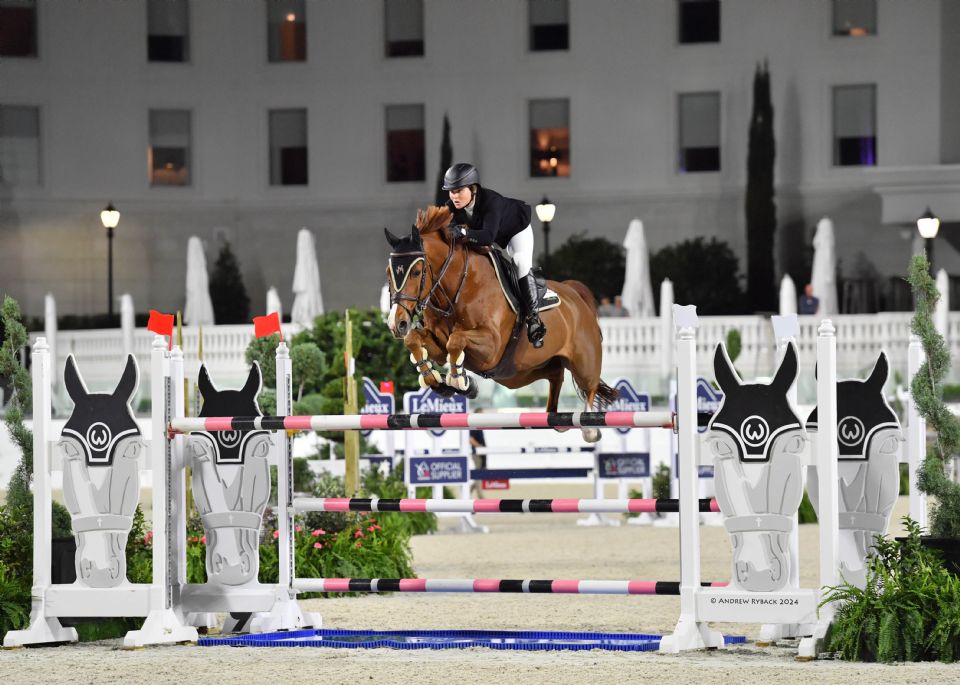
633,348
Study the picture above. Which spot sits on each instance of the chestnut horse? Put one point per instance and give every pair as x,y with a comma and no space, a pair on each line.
449,309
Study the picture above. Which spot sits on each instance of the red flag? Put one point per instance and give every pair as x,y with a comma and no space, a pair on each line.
267,325
386,387
161,324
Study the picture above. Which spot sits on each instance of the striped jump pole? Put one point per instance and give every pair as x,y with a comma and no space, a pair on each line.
503,506
493,585
576,419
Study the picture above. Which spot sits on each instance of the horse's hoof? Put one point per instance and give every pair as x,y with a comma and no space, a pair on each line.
445,390
591,434
471,391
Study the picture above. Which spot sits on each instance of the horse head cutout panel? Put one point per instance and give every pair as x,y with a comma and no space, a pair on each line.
231,482
869,440
757,441
100,446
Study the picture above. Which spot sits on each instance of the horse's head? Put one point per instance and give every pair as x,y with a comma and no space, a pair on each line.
409,276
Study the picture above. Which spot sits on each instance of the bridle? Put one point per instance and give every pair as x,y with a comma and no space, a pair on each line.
420,303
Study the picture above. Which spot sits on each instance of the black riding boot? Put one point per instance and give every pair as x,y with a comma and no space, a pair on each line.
535,328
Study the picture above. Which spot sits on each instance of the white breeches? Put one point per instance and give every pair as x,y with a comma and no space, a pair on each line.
520,249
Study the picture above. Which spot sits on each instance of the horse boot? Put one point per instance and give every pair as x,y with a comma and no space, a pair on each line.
535,328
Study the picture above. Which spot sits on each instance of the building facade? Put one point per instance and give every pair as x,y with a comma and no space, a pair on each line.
245,121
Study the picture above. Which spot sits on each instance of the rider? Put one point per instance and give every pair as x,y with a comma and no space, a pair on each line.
488,217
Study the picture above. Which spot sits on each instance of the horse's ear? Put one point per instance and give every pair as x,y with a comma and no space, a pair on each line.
881,370
128,381
723,370
391,238
787,371
207,388
414,233
254,381
73,381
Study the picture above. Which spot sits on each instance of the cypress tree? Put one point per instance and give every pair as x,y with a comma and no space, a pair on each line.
227,292
446,159
761,209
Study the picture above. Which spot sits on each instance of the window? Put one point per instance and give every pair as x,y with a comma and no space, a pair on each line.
855,125
286,30
854,18
699,132
698,21
169,153
549,138
19,145
549,25
403,24
168,31
18,28
288,147
405,143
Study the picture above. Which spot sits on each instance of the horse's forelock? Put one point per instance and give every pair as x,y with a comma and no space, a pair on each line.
433,219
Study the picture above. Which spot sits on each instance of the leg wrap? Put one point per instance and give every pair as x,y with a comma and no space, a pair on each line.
425,367
457,377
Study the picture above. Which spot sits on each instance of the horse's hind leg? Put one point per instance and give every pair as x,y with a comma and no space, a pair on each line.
555,378
590,434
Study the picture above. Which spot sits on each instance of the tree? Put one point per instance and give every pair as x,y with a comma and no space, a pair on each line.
761,209
706,274
446,160
597,262
227,292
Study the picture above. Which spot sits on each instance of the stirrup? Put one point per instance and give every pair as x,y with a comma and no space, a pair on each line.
536,331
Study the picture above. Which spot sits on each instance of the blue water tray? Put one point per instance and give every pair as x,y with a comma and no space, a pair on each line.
523,640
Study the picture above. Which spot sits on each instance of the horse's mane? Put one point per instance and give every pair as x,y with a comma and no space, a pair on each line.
433,220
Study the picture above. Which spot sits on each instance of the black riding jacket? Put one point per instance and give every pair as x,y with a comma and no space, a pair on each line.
496,219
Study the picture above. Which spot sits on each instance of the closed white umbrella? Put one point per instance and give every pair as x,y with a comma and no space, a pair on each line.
199,308
942,310
788,296
307,301
273,302
823,278
637,291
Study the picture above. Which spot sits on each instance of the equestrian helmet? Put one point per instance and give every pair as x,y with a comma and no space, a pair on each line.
460,175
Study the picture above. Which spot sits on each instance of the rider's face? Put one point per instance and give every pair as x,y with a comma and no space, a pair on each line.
461,197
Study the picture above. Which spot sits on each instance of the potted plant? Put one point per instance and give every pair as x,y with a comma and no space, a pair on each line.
926,386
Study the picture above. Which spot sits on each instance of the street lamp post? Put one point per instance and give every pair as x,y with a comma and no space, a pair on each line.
928,224
545,212
110,217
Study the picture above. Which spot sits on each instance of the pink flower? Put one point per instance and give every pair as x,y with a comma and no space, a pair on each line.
358,534
373,528
317,545
299,529
316,533
359,544
276,534
203,540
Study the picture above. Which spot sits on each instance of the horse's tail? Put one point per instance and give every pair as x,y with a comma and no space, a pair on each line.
584,292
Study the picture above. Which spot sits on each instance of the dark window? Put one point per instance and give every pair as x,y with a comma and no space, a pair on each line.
549,138
854,18
549,25
18,28
405,143
288,147
168,31
19,145
286,30
169,151
699,132
698,21
855,125
403,27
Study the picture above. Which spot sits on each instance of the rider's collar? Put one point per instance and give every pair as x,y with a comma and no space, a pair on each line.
401,264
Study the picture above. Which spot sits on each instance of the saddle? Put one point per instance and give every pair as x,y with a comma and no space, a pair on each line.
507,278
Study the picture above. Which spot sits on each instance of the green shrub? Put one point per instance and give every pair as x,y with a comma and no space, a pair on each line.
806,513
659,487
14,600
908,611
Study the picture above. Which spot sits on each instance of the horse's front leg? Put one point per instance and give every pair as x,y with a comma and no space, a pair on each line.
422,348
479,343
